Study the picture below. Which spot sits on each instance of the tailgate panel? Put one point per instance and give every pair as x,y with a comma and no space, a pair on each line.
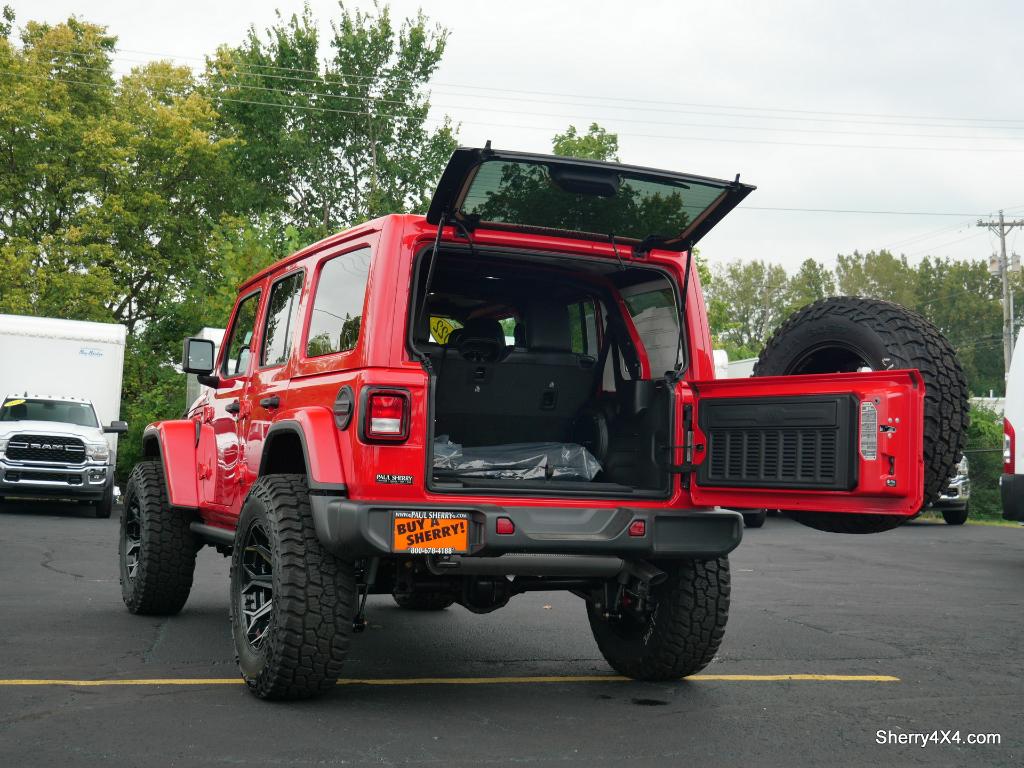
780,442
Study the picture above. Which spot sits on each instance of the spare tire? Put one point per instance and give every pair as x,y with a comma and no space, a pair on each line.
846,334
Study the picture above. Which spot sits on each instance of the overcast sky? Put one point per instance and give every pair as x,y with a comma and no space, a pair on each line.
716,89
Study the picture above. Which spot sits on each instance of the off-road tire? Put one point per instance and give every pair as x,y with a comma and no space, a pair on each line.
314,595
755,519
956,516
423,601
684,630
105,506
885,336
167,548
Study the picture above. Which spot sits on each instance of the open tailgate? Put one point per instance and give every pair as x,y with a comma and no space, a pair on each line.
847,442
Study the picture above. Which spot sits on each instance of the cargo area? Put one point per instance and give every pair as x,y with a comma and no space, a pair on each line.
548,374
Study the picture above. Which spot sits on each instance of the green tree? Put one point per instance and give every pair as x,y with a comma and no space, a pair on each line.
878,275
812,282
595,144
965,302
112,188
111,193
985,455
328,145
6,21
746,305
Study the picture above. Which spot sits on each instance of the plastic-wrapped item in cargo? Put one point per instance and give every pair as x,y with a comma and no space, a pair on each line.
516,461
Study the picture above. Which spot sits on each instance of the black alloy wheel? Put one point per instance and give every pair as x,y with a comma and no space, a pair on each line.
256,596
132,538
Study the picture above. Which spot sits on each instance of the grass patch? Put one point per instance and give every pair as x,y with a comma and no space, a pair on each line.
973,519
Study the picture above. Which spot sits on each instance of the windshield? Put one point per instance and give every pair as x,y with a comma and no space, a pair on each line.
603,202
63,411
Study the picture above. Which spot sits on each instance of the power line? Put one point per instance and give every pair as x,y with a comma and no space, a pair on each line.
845,210
941,245
710,139
840,117
772,129
634,100
927,235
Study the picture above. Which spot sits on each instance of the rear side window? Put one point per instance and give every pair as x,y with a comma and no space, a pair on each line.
337,312
238,349
281,310
583,328
653,309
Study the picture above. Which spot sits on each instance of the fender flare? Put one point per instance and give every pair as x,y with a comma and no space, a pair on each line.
176,447
312,426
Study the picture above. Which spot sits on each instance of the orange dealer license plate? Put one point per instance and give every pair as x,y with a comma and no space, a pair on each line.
430,532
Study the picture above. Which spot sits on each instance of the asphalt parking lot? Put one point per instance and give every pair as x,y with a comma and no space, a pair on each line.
929,617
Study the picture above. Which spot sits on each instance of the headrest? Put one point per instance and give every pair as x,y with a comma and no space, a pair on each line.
482,329
482,341
519,334
548,328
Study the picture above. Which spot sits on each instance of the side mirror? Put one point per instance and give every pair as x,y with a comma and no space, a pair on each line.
117,427
197,356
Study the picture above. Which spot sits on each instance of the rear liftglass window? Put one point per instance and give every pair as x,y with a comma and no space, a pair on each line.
529,194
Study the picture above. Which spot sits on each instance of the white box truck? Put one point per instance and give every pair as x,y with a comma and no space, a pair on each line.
59,417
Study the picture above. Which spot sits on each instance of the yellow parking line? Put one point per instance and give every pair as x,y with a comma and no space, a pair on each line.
465,680
146,681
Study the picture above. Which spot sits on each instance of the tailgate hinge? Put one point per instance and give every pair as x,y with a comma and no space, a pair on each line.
688,447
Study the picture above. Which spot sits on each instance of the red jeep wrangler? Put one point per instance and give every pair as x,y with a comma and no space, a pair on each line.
516,393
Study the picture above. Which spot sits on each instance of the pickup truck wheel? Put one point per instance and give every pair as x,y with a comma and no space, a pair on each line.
105,506
847,334
423,601
955,516
755,519
157,550
292,603
682,633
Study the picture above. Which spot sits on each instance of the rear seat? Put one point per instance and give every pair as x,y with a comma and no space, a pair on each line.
532,395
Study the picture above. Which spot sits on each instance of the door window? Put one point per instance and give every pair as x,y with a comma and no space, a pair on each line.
281,311
338,307
238,350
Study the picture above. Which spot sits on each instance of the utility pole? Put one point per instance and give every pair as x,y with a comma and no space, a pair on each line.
1000,228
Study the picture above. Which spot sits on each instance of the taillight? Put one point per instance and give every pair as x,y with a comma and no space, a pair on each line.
504,526
1009,448
386,415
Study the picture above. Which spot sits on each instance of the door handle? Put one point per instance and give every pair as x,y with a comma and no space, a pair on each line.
270,402
233,407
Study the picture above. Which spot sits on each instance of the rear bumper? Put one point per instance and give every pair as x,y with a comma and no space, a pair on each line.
87,481
363,529
1012,489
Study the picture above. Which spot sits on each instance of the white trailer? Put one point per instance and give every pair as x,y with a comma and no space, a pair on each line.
65,358
732,369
